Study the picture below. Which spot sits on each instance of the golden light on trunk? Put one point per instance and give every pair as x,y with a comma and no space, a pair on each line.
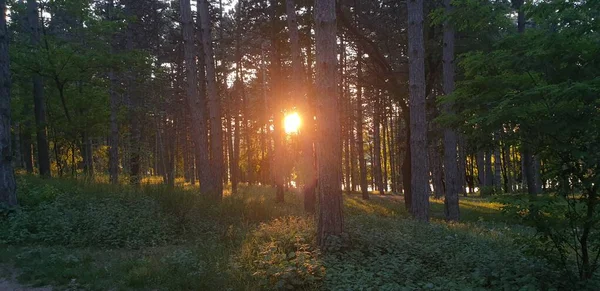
292,123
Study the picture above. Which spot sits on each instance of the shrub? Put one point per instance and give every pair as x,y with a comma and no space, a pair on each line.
282,254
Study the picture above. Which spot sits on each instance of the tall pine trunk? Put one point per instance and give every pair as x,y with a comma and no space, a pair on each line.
453,184
8,194
39,102
194,98
360,147
215,186
418,120
329,154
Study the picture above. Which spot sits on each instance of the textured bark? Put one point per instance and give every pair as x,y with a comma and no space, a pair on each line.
418,119
215,186
38,96
195,99
453,184
328,142
8,194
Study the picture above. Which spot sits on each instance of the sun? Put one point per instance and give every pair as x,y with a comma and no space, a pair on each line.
291,123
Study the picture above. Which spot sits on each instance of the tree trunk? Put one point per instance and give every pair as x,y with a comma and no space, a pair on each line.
418,119
216,128
497,169
377,173
276,93
8,193
26,146
489,178
328,125
38,96
436,170
362,163
196,102
302,100
453,184
480,169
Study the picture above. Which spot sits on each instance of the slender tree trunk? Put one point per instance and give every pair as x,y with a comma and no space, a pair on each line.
328,142
497,169
435,159
214,105
489,178
418,119
453,183
38,96
384,148
276,93
481,169
27,145
113,140
362,163
302,99
8,193
377,173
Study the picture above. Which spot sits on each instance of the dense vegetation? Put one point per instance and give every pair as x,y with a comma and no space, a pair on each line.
300,144
74,234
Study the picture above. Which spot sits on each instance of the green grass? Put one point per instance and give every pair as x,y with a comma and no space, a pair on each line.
91,236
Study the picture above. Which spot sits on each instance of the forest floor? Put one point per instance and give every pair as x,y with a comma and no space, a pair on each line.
75,235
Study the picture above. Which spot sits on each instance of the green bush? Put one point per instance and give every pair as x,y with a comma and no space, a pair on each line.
282,255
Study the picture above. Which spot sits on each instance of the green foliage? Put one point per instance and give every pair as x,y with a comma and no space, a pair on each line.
410,255
282,254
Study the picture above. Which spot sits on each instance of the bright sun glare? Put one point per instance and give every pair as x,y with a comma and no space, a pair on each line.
291,123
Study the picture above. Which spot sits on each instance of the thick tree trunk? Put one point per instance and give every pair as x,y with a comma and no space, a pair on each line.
328,142
195,101
8,194
38,96
453,183
418,119
214,105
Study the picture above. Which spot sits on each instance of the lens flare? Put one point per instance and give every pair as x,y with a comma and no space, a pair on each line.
291,123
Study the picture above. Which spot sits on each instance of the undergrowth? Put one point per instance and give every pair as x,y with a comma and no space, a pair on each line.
79,235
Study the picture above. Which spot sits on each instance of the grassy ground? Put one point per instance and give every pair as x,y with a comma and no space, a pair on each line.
74,235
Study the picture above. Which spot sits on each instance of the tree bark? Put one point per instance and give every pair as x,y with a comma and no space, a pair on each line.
418,119
195,99
328,125
362,163
8,193
276,93
38,96
215,186
377,173
453,184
